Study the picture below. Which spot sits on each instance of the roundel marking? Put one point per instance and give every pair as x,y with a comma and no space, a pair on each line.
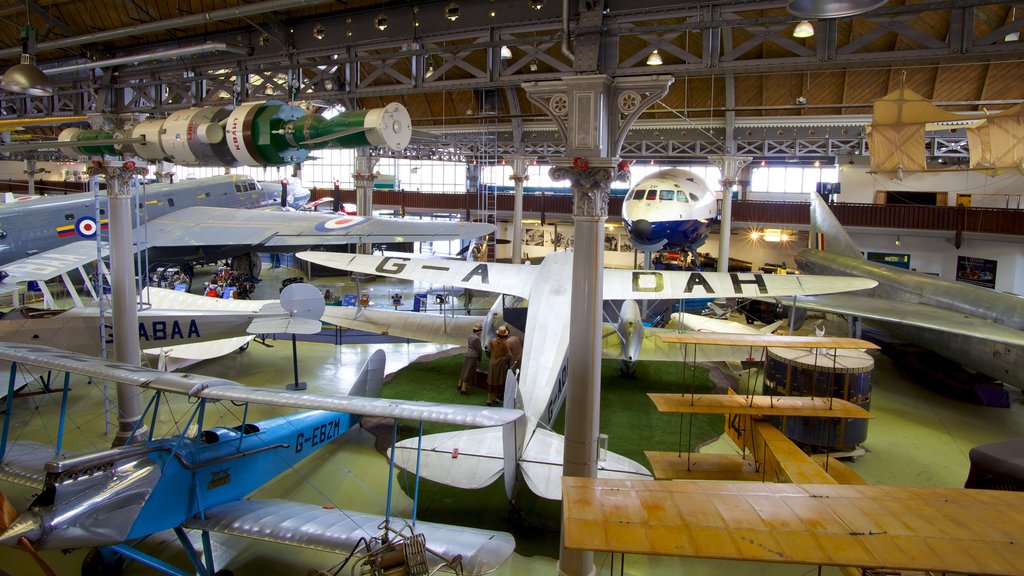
86,227
339,223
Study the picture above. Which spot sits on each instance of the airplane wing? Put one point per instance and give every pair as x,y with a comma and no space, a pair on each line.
650,284
209,226
468,459
871,527
511,279
197,386
913,314
178,356
654,348
45,265
542,465
339,531
24,463
415,325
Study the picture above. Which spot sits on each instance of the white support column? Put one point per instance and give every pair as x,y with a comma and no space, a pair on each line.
519,177
731,166
363,178
124,298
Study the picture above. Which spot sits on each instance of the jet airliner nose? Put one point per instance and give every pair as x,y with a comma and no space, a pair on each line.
641,229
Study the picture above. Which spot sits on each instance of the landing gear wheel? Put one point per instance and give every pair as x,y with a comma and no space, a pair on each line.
99,562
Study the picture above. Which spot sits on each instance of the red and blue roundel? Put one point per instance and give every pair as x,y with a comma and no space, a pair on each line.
339,223
86,227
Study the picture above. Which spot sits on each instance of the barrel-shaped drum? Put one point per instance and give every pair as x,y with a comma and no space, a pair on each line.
845,374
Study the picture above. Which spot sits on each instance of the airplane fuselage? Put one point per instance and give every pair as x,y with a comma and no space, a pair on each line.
77,329
997,360
40,224
106,498
671,209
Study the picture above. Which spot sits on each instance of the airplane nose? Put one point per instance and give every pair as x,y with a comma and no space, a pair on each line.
641,229
26,526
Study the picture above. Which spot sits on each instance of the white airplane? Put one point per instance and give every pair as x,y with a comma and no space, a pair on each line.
177,329
672,209
534,451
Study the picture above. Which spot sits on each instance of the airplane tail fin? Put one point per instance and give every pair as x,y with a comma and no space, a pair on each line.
371,377
827,234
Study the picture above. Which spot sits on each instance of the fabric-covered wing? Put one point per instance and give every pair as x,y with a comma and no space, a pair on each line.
178,356
221,389
415,325
920,529
542,465
504,278
650,284
468,459
208,226
24,463
913,314
52,263
283,325
655,349
334,530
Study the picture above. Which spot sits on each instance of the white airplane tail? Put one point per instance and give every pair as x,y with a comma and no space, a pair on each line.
827,234
371,377
473,459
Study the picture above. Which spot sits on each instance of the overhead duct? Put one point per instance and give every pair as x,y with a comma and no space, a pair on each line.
147,56
161,25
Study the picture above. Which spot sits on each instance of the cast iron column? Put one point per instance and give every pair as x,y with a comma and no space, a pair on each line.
363,178
518,177
731,166
124,298
593,134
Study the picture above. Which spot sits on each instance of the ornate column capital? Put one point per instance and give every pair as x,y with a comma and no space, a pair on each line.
119,177
591,181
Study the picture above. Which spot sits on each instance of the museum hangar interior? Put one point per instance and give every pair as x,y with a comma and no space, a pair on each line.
738,92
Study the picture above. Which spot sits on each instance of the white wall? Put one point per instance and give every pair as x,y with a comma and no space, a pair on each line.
1002,191
11,170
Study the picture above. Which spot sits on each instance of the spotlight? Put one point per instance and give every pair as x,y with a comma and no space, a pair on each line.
803,30
536,4
506,53
319,31
654,59
534,65
429,72
381,22
451,11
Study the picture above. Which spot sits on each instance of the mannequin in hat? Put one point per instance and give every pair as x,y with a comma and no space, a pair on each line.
474,350
501,360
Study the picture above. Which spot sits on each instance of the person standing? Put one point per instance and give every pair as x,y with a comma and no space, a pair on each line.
501,360
474,350
515,348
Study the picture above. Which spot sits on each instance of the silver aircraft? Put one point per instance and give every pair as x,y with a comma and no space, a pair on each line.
34,225
973,326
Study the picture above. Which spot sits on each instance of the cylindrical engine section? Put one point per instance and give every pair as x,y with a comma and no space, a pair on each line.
802,372
151,149
388,127
86,136
255,134
195,137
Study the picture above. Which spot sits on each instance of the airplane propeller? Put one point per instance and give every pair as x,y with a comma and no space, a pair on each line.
8,516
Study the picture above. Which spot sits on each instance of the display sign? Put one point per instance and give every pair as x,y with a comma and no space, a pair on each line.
977,271
890,258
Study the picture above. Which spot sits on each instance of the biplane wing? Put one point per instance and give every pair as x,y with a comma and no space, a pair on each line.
197,386
340,531
870,527
286,231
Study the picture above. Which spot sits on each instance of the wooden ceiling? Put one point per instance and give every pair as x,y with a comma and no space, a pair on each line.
839,71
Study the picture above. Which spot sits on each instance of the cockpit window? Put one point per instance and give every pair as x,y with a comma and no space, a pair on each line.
668,195
652,194
693,197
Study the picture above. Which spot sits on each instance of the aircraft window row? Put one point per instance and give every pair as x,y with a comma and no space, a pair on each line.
246,186
663,195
